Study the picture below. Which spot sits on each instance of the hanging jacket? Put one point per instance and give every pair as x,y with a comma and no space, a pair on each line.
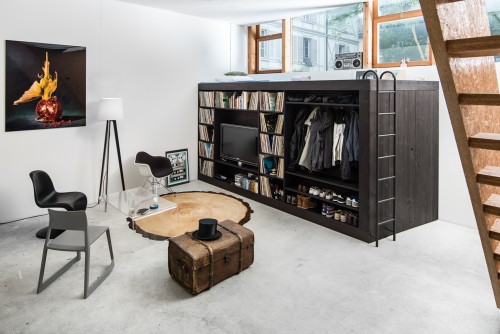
338,142
345,166
353,139
298,138
305,157
320,127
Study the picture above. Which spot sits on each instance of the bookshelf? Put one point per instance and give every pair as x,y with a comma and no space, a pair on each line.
273,112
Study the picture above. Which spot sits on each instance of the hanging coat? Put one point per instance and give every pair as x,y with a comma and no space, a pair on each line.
298,138
320,126
305,157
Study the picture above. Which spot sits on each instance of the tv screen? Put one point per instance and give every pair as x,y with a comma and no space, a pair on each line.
239,143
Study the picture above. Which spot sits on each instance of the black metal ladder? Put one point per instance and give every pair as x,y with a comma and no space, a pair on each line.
389,155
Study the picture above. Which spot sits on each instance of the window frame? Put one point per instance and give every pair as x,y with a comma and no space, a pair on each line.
254,40
377,19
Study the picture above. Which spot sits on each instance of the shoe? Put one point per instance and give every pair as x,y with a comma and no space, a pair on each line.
293,200
311,190
329,211
355,203
329,195
322,193
299,201
340,199
348,201
323,210
310,98
308,203
343,217
316,191
336,215
289,199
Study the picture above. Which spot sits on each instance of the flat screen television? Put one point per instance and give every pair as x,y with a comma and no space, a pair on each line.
239,143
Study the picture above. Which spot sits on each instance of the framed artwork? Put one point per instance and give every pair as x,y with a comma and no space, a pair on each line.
45,86
180,164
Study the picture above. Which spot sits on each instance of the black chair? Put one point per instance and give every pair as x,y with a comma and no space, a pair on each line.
47,197
154,167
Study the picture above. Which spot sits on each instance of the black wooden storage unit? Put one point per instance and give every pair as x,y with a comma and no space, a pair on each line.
416,150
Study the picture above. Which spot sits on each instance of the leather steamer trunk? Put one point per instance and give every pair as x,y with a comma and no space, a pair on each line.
198,265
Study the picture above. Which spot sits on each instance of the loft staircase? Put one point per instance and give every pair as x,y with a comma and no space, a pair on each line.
463,48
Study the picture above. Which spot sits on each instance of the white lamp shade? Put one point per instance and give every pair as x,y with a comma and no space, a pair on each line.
110,108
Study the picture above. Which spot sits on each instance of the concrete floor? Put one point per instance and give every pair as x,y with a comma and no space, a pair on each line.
305,279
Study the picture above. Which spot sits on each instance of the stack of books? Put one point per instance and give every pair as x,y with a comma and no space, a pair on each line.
248,182
206,167
206,99
205,133
271,123
206,150
272,144
271,101
222,99
206,116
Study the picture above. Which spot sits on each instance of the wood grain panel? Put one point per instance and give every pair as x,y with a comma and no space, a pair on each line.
483,46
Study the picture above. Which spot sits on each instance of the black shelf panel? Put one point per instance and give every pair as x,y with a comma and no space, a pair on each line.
325,104
205,158
206,141
345,206
254,170
234,109
322,179
200,123
271,112
271,133
265,153
205,107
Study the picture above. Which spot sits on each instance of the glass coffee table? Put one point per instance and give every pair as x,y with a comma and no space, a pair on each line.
131,201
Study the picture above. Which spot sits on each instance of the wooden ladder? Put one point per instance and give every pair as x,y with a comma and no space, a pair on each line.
463,48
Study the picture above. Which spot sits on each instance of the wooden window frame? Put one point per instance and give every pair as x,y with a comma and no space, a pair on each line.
392,18
254,39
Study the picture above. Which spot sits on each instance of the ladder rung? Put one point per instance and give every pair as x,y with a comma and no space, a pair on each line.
387,178
387,113
479,99
489,175
483,46
489,141
387,221
387,135
496,254
492,205
387,200
387,156
495,230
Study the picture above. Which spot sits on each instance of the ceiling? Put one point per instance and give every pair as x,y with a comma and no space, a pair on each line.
243,12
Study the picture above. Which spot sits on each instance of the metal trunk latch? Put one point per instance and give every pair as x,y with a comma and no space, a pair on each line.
227,258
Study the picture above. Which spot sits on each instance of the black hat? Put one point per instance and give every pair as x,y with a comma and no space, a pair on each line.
207,229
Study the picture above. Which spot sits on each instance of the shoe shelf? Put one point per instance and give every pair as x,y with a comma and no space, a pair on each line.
322,199
272,134
323,104
329,181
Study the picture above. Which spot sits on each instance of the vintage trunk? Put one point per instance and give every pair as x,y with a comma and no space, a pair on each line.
198,265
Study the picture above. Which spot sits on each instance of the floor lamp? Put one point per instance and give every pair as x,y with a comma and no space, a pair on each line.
110,109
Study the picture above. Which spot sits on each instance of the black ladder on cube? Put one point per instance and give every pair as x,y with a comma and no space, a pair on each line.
391,156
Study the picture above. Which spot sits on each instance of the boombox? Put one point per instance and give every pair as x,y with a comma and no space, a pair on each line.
347,61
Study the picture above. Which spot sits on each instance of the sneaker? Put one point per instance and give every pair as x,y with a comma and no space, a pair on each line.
348,201
336,215
329,195
308,203
323,210
355,203
289,199
322,193
316,191
311,190
340,199
343,217
329,211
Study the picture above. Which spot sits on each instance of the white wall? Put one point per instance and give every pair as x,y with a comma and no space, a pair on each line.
153,59
454,201
239,48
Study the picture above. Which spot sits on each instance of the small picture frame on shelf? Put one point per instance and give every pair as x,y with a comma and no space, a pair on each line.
180,165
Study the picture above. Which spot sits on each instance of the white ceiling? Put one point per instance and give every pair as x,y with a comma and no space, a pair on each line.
243,12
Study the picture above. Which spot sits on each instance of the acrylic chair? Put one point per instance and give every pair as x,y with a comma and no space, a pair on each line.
78,237
155,168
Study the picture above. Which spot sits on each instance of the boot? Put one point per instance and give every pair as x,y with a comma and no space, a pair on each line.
299,201
308,203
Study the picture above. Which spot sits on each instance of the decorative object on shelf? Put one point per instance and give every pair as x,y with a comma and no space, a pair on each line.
110,110
180,164
191,207
52,98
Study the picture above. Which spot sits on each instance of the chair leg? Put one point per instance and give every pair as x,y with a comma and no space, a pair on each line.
90,289
42,285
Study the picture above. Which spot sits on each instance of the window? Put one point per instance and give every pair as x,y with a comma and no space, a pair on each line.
493,9
269,47
310,18
341,48
307,48
399,32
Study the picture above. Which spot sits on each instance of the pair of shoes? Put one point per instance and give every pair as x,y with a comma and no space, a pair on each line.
336,198
289,199
293,200
305,202
314,191
329,211
353,219
352,201
329,194
303,189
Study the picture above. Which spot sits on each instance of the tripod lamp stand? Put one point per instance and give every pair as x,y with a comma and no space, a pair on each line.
110,110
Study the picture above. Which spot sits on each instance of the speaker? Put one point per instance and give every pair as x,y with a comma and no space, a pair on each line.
347,61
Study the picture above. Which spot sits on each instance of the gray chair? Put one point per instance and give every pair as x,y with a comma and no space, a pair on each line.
77,238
